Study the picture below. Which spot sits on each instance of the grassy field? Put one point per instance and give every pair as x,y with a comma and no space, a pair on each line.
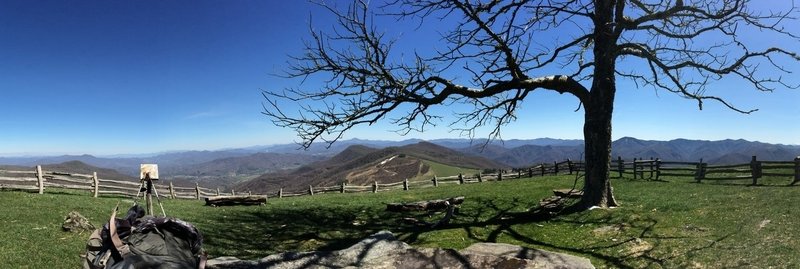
443,170
675,224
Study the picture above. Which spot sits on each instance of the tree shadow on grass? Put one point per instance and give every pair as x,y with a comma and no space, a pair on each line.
641,244
254,234
293,233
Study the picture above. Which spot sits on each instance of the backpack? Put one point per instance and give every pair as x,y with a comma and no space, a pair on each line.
139,241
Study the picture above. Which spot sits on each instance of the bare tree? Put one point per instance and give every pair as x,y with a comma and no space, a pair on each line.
508,51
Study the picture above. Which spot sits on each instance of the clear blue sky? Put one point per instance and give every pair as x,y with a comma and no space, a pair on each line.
108,77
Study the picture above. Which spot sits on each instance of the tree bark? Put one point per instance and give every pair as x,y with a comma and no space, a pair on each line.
597,138
598,110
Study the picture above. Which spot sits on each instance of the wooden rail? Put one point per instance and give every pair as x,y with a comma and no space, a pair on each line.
754,170
40,180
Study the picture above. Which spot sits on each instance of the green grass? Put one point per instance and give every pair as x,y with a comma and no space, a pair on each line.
676,224
443,170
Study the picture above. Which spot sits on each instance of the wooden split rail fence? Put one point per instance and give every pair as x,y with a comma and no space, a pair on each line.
565,167
753,171
39,181
639,168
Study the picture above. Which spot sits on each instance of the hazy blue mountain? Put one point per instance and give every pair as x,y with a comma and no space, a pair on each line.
454,143
321,148
719,152
227,171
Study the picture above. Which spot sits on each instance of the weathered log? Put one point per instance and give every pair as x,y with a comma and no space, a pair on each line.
569,193
236,200
448,205
552,204
432,205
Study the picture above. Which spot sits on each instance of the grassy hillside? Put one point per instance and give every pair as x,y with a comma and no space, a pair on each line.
674,224
443,170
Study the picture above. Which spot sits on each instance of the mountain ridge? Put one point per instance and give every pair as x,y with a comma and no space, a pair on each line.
361,165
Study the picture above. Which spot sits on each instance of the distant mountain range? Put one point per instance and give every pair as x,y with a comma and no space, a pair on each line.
324,149
76,167
231,166
210,168
715,152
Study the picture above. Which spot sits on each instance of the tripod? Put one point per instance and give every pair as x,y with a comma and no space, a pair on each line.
147,187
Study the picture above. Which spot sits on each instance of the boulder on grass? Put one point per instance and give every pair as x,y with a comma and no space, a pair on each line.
75,222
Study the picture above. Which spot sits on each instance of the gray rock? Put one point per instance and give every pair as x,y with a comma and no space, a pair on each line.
539,258
75,222
382,250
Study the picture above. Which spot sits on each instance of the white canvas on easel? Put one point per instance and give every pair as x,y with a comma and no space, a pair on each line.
152,169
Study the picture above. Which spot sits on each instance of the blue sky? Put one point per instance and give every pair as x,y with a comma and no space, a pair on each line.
108,77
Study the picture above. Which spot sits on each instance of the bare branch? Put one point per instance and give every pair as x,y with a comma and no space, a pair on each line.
681,60
364,85
506,49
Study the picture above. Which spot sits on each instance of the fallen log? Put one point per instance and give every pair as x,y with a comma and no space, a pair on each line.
448,205
568,193
236,200
432,205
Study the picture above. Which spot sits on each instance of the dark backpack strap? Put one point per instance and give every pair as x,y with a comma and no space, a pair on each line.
201,263
121,247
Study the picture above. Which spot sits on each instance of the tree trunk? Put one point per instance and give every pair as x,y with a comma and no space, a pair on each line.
599,108
597,138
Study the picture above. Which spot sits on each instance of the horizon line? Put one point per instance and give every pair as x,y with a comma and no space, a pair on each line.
156,153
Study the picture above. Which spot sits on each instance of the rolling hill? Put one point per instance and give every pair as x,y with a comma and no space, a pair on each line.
362,165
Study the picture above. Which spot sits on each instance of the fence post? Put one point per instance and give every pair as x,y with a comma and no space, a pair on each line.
40,178
620,165
343,184
555,167
96,183
280,193
171,191
197,190
500,175
658,168
479,177
543,169
700,173
435,182
375,187
233,192
755,166
311,190
460,179
634,168
569,166
530,172
651,166
405,184
796,170
217,190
